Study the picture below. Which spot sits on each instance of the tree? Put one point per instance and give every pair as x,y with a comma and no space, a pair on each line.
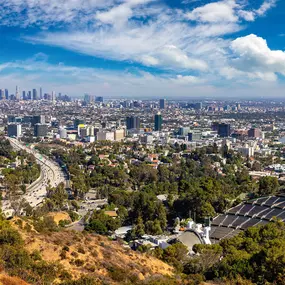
268,185
97,226
57,195
138,230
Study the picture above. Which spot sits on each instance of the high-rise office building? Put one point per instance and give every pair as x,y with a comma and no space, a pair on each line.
99,99
194,135
255,133
40,119
158,122
40,130
14,130
35,94
53,96
224,130
6,94
17,94
88,99
41,93
2,94
29,96
183,131
162,103
62,133
215,126
195,106
133,123
24,96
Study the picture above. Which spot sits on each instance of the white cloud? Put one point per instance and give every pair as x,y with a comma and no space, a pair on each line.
45,13
119,15
188,79
80,80
160,43
149,33
222,11
171,56
149,60
228,11
247,15
267,5
243,76
252,54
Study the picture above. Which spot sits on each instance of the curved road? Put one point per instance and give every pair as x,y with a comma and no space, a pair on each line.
51,174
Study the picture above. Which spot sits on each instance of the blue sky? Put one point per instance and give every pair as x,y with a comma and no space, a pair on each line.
144,48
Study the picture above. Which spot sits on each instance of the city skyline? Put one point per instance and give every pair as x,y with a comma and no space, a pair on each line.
150,48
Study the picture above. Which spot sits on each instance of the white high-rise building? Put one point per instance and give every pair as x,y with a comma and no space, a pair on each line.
17,95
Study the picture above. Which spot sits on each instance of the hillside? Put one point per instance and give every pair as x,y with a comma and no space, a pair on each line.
7,280
95,256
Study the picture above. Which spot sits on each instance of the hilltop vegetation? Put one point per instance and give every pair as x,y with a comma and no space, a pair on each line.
256,256
69,258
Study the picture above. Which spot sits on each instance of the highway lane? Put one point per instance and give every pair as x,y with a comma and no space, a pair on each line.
51,174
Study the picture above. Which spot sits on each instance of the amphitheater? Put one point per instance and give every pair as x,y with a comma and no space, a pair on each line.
254,212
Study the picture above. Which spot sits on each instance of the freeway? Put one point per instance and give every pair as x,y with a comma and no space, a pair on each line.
51,174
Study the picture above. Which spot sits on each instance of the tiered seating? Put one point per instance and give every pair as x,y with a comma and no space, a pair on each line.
235,209
233,233
280,200
239,221
229,220
218,220
213,228
243,216
245,209
259,201
280,205
263,213
282,216
250,223
273,213
262,223
271,201
255,210
220,232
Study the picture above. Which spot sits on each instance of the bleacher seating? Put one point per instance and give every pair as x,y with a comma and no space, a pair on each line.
218,220
245,209
273,213
229,220
252,213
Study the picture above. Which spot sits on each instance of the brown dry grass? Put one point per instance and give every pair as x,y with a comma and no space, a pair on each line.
82,254
59,216
7,280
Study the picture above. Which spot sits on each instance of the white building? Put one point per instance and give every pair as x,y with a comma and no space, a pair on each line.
105,136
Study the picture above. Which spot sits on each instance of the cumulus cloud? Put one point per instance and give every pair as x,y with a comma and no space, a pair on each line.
222,11
228,11
252,59
253,54
174,57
